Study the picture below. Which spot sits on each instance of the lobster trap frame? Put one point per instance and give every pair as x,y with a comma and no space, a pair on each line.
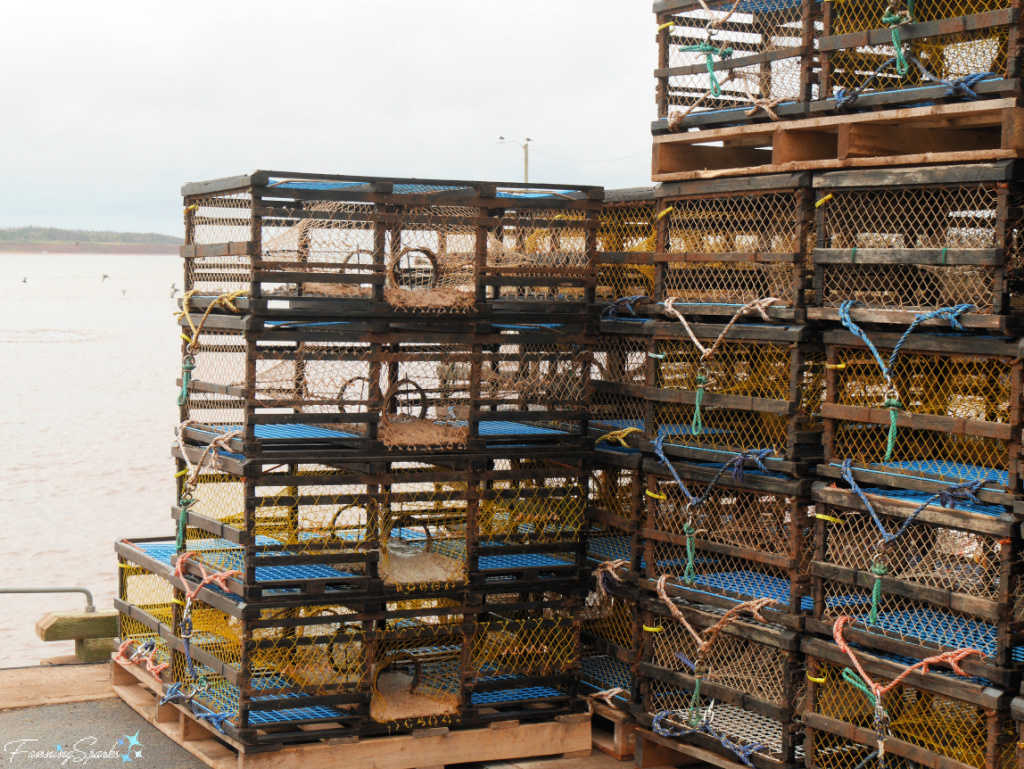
752,672
320,244
718,246
615,510
952,41
950,580
958,411
281,666
502,523
380,387
627,241
762,390
936,720
902,242
733,62
749,539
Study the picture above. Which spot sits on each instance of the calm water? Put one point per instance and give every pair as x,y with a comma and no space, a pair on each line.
87,416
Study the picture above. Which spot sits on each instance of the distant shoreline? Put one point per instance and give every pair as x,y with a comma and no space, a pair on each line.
24,247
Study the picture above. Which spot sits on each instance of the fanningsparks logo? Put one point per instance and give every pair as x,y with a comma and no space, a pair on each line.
125,750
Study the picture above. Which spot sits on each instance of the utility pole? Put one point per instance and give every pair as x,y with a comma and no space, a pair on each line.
525,144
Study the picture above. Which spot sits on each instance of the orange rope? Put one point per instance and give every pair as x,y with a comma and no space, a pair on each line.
153,668
952,658
219,579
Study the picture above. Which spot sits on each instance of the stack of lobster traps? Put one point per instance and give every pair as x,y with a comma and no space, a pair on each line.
707,394
914,644
383,459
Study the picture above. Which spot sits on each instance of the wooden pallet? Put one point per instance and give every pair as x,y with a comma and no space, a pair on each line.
566,737
613,731
653,750
944,133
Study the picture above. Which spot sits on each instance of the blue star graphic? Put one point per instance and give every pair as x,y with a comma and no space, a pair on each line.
134,740
125,758
58,747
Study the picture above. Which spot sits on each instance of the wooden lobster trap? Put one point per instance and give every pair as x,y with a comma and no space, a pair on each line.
734,61
711,392
921,51
258,672
923,411
716,247
317,244
304,388
718,536
915,717
918,575
723,682
616,507
386,528
902,242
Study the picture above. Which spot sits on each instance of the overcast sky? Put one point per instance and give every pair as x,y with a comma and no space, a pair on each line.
108,107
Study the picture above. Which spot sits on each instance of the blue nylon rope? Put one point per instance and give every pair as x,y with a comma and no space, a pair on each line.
629,303
742,752
962,493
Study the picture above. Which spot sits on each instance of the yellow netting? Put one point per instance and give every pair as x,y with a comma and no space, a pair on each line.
611,488
726,429
525,648
752,369
611,620
940,724
545,505
628,227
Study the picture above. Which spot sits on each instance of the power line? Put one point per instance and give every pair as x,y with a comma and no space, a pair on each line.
579,160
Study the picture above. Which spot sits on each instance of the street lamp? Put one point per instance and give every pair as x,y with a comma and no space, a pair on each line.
525,144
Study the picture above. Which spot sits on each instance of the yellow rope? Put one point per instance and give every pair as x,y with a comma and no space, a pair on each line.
821,680
654,495
829,518
224,300
657,629
823,201
619,436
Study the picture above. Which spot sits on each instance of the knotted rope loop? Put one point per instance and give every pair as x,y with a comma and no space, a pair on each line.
627,303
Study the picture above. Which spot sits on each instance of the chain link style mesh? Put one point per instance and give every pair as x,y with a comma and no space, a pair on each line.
525,648
751,369
736,30
626,228
519,376
623,360
226,219
610,619
531,501
959,458
945,726
432,259
423,528
611,489
766,223
929,555
756,669
743,726
956,216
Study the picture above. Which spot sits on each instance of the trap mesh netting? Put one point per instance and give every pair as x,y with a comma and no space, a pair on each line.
946,56
707,37
417,679
935,217
531,501
619,360
632,228
226,219
938,723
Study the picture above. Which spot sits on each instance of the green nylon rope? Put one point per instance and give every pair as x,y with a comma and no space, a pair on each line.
697,423
188,365
698,673
690,573
890,444
184,504
711,52
879,570
894,20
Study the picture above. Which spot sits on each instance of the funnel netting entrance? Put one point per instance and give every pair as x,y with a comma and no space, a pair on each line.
938,723
327,237
417,681
531,501
423,527
432,259
427,396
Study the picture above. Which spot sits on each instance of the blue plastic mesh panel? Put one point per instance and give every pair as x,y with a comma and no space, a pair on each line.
606,671
604,548
944,469
521,561
507,696
281,184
